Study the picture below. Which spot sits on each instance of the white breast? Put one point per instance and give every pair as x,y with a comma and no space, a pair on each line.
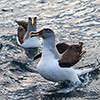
30,43
49,68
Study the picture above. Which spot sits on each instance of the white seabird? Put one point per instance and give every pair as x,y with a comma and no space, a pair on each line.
24,29
49,65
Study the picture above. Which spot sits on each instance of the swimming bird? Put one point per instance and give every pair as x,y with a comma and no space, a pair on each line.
49,65
24,29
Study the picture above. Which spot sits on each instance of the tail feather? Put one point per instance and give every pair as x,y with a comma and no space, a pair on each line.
84,71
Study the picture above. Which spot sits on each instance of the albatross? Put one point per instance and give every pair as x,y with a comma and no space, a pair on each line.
24,29
50,66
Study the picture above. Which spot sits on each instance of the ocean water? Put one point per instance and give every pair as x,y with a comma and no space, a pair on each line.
72,21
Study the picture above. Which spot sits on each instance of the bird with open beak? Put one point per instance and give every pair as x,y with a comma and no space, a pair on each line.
53,66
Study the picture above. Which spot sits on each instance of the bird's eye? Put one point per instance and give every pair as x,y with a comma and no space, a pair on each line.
29,18
35,18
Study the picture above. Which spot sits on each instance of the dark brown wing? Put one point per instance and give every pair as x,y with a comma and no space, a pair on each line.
22,23
69,59
71,56
21,33
61,47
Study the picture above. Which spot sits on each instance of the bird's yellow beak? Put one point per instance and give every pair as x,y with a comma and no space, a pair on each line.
32,21
36,33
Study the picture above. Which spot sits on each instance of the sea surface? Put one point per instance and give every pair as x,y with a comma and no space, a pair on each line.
72,21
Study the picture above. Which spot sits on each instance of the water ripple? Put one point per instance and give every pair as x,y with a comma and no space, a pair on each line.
71,20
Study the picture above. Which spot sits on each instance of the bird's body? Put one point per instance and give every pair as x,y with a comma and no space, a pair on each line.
29,43
71,54
49,68
49,65
24,29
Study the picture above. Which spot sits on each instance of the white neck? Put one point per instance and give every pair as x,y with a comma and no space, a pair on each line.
49,49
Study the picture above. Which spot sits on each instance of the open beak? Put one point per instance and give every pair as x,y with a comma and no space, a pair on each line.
32,21
36,33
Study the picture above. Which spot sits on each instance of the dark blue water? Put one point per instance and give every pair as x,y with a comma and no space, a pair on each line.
72,21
